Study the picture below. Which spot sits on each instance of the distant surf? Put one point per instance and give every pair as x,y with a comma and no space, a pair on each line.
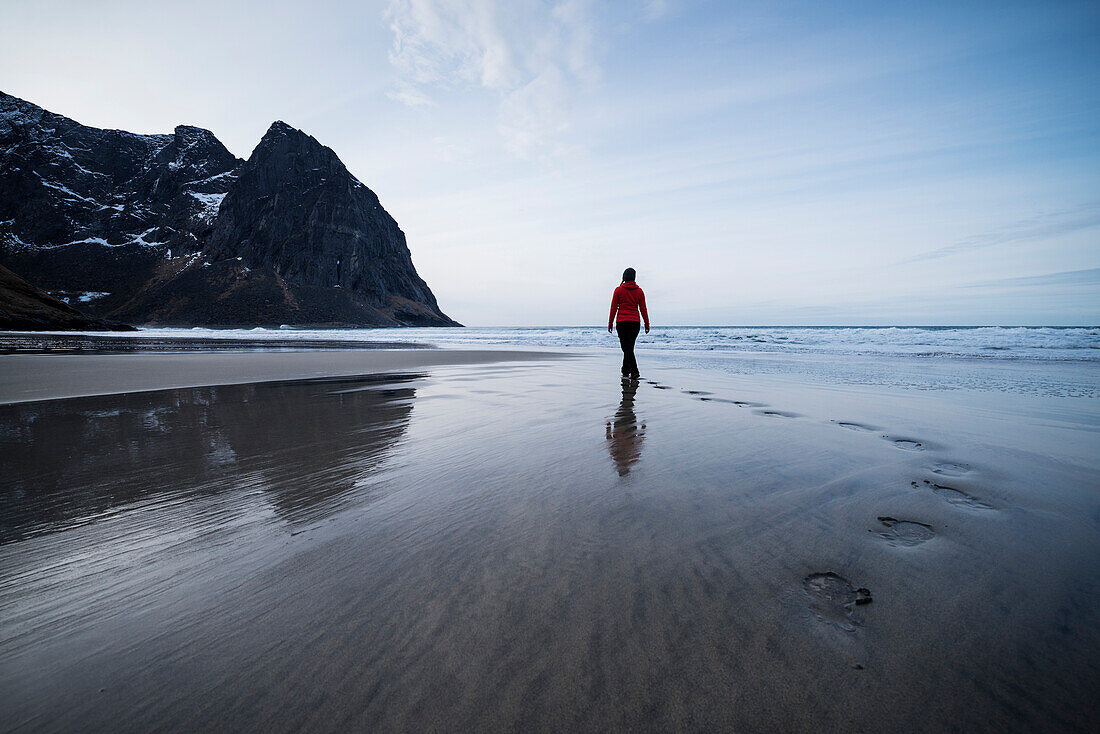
1045,343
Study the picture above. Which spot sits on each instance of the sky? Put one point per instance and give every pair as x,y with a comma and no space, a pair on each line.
758,163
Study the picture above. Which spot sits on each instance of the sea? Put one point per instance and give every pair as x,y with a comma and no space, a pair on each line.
1042,343
1048,360
977,342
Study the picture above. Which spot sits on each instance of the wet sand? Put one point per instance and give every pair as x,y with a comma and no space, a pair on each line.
26,377
534,546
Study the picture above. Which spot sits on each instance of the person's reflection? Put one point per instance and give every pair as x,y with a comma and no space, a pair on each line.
624,435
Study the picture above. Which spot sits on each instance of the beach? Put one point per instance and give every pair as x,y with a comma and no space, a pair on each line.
514,539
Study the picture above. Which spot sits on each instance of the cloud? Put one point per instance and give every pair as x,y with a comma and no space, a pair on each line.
409,95
1085,277
1040,227
533,55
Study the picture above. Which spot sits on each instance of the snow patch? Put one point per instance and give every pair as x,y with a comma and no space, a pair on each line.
62,150
13,239
209,204
211,179
91,296
67,191
89,241
140,239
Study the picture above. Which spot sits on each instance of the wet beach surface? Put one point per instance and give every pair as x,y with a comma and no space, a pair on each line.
147,342
539,546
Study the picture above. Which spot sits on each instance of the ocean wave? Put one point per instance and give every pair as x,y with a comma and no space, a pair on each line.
979,342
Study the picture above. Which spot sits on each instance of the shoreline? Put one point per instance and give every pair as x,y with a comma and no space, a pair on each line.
33,377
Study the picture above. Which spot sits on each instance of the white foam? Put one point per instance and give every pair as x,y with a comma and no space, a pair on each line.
989,343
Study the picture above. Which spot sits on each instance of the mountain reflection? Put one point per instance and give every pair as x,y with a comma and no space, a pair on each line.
624,435
305,444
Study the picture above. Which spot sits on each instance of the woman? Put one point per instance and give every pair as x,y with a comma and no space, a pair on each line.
626,302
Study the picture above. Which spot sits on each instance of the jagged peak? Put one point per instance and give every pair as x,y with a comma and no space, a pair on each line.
280,128
281,137
190,141
190,132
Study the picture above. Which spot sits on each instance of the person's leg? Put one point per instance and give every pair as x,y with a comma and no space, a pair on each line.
633,338
627,350
628,334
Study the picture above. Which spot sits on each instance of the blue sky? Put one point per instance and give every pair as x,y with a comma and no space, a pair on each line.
757,162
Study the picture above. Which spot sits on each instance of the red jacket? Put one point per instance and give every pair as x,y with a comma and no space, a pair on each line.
627,300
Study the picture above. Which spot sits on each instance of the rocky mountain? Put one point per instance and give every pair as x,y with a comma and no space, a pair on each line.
175,230
26,308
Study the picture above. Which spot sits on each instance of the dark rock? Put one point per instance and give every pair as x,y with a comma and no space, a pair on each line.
173,229
26,308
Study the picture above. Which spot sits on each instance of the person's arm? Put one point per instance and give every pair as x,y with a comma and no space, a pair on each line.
645,314
614,309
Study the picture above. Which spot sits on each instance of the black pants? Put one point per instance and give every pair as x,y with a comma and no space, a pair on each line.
628,334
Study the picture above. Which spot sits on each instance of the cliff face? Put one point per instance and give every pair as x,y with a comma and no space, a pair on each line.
296,210
173,229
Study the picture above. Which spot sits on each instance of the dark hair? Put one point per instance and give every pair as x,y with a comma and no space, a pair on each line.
629,274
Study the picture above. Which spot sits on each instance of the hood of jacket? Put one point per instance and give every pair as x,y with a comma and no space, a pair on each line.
629,284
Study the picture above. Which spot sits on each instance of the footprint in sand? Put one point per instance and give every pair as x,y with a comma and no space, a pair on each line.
904,533
778,413
906,444
955,496
834,599
947,469
853,426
